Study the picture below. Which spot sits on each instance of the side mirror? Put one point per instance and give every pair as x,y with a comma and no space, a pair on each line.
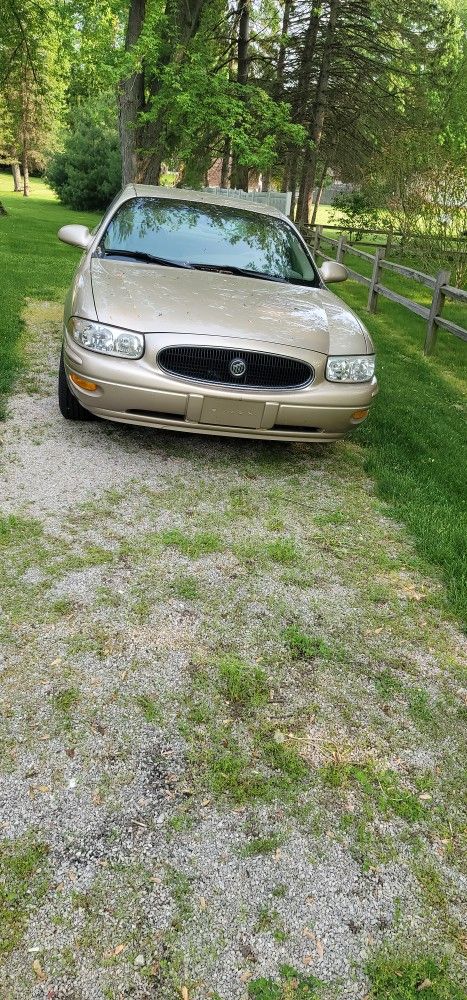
330,271
77,236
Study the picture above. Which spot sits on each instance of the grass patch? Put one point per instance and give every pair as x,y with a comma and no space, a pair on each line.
32,263
186,587
261,845
282,551
149,708
414,441
64,702
305,647
381,788
24,882
202,543
291,986
242,684
394,978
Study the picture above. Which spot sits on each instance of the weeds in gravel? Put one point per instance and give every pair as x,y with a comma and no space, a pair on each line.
305,647
149,708
402,978
64,702
292,986
241,683
379,787
186,587
24,881
262,845
202,543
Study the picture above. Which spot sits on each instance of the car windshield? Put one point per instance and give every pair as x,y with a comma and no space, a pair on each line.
209,236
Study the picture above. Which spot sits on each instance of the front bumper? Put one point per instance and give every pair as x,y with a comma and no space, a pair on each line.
138,392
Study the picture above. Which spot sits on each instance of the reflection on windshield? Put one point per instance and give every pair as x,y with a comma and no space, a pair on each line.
199,233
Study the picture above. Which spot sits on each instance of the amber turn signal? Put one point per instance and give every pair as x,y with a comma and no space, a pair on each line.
83,383
359,414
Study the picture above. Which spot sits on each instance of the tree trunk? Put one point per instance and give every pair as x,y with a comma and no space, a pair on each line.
131,97
307,181
279,88
15,169
318,194
225,169
25,169
266,181
239,177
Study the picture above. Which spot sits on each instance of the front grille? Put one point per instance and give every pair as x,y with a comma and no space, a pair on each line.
213,364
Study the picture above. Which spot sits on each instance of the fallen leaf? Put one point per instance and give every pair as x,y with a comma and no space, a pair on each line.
38,970
309,934
319,948
425,797
118,950
184,993
202,903
245,976
424,985
308,959
43,789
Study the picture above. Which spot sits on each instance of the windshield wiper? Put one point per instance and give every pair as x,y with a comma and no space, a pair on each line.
242,271
146,257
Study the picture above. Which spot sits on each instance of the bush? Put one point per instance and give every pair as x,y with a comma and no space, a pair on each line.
356,210
87,174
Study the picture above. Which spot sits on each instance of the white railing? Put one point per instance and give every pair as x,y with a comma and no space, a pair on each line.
278,199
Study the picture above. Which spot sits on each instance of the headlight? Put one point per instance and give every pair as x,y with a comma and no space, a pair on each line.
351,368
107,339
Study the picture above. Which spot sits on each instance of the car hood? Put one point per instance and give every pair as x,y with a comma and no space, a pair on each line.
151,298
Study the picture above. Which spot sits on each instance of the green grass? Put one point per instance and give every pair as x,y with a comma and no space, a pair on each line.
304,647
379,788
292,986
32,263
261,845
149,708
394,978
202,543
241,683
414,439
23,883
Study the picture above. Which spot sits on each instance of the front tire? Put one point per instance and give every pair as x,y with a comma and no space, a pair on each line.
70,407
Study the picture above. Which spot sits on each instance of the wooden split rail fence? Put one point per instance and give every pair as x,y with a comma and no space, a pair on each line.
440,286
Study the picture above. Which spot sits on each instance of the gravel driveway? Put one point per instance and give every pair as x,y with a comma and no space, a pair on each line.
231,716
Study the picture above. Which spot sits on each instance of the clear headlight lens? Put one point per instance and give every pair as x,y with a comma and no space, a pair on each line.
350,368
107,339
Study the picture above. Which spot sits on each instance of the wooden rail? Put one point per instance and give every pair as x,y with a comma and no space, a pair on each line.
439,284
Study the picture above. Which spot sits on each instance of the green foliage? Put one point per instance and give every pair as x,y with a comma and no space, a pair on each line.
356,210
87,174
405,978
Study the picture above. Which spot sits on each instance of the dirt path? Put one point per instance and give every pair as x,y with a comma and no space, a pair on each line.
231,716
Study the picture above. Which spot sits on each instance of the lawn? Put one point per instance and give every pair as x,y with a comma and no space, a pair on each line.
414,442
32,263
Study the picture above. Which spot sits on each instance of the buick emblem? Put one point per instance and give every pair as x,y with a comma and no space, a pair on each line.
237,367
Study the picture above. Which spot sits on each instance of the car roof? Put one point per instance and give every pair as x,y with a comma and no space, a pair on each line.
203,197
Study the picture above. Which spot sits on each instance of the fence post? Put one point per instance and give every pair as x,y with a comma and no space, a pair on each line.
373,294
340,249
436,308
316,241
388,247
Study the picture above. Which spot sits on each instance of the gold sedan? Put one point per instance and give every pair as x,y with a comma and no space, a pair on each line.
196,313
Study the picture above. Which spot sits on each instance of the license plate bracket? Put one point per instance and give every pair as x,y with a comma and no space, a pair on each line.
232,412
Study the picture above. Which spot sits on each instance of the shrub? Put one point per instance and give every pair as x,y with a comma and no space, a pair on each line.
87,174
